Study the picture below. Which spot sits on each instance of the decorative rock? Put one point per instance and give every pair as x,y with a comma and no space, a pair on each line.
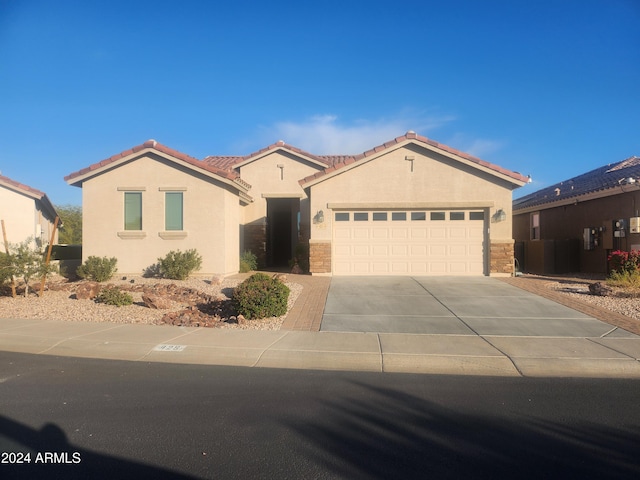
88,290
281,276
156,302
240,320
599,289
217,280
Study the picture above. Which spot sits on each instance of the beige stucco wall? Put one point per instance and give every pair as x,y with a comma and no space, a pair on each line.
269,180
433,180
210,214
24,219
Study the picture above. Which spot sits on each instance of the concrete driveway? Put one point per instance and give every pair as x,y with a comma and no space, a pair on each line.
449,306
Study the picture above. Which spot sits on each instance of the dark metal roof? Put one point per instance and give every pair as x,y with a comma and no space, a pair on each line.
621,174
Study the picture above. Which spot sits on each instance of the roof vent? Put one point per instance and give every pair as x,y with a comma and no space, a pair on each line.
627,181
411,132
557,190
280,142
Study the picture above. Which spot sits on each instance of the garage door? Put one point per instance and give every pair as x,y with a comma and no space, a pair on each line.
443,242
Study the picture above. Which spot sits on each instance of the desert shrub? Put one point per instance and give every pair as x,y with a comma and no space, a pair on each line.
261,296
621,261
301,257
628,279
98,269
248,262
114,296
178,265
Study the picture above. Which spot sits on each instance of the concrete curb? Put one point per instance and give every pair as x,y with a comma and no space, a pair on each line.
373,352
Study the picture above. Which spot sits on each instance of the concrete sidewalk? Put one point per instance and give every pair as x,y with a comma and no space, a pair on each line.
615,353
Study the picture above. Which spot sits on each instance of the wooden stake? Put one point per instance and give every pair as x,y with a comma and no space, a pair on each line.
6,249
53,235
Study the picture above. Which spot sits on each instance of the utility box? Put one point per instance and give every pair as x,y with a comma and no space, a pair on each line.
619,228
634,225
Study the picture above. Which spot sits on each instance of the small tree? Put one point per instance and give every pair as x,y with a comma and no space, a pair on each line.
71,230
27,262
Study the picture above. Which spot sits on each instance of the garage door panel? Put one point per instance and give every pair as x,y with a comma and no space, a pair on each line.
380,250
360,234
360,250
408,244
458,233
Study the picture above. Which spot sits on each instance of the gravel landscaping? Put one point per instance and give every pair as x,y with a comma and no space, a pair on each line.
59,302
624,302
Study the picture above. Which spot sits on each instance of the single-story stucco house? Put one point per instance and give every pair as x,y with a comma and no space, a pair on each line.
411,206
28,213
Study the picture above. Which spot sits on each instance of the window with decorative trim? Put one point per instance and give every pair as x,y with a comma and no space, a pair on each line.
173,211
133,210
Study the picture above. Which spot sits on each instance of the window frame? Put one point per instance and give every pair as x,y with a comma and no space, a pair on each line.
534,226
171,224
134,224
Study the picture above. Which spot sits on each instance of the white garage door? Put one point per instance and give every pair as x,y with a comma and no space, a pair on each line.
443,242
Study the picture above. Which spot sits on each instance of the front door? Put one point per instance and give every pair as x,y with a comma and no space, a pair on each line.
282,233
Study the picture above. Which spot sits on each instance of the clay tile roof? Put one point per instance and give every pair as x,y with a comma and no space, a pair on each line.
21,187
152,144
230,162
29,191
343,161
620,174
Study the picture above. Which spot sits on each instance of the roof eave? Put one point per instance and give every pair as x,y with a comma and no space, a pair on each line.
594,195
511,177
76,179
276,148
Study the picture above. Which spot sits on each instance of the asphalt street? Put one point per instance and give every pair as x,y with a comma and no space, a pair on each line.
154,420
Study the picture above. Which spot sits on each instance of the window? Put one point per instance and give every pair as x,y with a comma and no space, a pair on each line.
379,216
133,210
398,216
456,215
173,211
342,217
437,216
535,226
476,215
418,216
360,216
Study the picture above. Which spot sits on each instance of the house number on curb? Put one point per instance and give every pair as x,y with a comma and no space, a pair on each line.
169,348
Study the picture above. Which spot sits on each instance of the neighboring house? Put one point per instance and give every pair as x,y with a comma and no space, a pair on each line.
574,225
27,213
409,207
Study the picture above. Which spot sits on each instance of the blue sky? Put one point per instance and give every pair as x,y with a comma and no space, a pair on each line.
548,88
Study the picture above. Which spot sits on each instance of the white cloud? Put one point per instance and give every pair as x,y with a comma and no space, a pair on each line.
478,147
326,135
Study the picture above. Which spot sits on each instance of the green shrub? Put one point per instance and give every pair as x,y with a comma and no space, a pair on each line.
625,279
179,265
261,296
98,269
114,296
248,262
